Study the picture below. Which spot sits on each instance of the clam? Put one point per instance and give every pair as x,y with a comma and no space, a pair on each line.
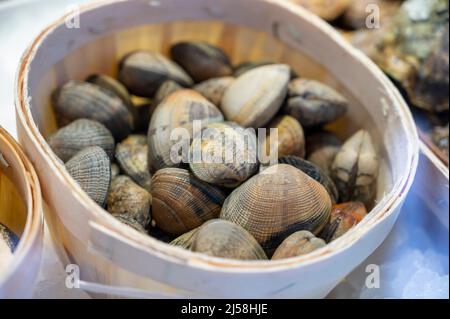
214,89
221,238
314,172
77,100
343,218
128,199
178,111
225,154
355,169
322,147
277,203
167,88
291,138
185,241
299,243
133,223
76,136
256,96
131,155
201,61
181,202
114,86
115,170
313,103
250,65
8,240
91,169
143,73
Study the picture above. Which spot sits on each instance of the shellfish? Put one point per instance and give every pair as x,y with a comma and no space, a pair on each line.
185,241
76,136
256,96
167,88
181,202
298,244
322,147
214,89
277,203
291,137
91,169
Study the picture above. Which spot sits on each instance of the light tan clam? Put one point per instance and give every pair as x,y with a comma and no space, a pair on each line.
76,136
131,155
313,103
221,238
214,89
77,100
225,154
143,72
202,61
321,149
256,96
181,202
178,111
291,137
91,169
343,218
127,199
298,244
355,169
167,88
277,203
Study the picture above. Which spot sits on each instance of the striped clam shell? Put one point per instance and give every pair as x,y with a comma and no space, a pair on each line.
314,172
298,244
143,72
291,137
225,154
76,136
201,61
91,169
355,169
221,238
214,89
276,203
178,111
181,202
77,100
256,96
131,155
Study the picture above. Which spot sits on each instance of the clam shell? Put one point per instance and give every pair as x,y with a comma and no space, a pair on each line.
143,73
343,218
77,100
214,89
76,136
321,149
127,199
250,65
185,241
91,169
178,111
355,169
314,172
167,88
201,61
298,244
277,203
256,96
291,137
131,155
313,103
225,154
10,239
113,85
181,202
221,238
127,220
115,170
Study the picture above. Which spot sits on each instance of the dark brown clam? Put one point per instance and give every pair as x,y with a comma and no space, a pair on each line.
127,199
77,100
299,243
214,89
143,73
313,103
321,149
314,172
78,135
114,86
343,218
201,61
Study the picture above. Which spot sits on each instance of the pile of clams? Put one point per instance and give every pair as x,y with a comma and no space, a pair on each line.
232,161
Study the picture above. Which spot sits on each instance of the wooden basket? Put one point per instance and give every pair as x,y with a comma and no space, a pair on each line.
20,211
117,260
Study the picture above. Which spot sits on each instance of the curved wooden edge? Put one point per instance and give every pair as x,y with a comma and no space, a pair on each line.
32,132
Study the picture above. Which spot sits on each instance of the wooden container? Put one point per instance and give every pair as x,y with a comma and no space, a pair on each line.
116,260
21,212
